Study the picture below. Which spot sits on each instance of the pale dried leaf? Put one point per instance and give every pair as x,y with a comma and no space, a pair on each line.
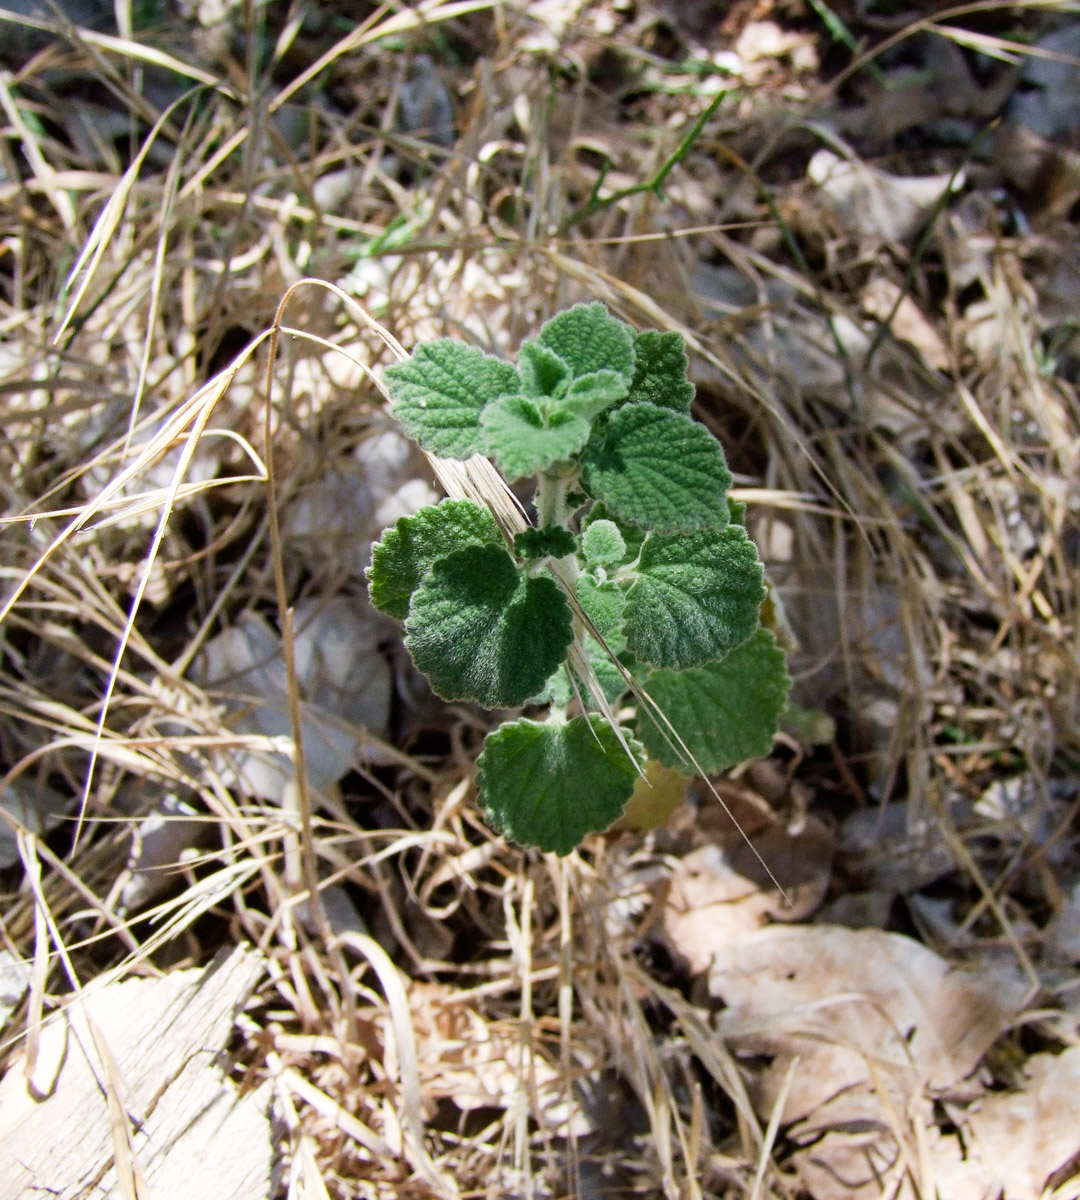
344,680
719,892
1023,1137
885,300
36,807
1048,100
846,1000
476,1063
158,843
854,1165
871,204
1063,932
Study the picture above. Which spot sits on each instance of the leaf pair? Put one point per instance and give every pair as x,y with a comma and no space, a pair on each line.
457,401
588,391
550,784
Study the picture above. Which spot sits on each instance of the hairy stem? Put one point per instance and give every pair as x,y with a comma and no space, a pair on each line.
551,501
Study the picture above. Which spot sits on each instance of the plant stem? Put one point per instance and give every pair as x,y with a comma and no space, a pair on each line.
656,184
551,509
551,501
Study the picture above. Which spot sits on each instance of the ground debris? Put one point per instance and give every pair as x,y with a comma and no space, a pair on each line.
139,1091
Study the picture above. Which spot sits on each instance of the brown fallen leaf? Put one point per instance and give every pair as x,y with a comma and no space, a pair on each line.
721,890
476,1063
885,300
874,205
1025,1136
862,1164
855,1006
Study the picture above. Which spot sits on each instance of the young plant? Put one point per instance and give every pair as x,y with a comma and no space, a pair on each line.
638,577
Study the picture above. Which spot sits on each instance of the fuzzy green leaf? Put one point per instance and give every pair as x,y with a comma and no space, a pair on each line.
695,598
524,440
603,602
660,371
548,785
558,690
608,674
480,629
726,712
439,392
659,469
588,338
550,542
543,373
408,551
603,544
590,394
633,535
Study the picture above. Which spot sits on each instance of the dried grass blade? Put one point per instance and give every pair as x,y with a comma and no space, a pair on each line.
174,428
39,971
155,57
86,265
772,1129
368,31
343,1119
129,1173
46,176
405,1040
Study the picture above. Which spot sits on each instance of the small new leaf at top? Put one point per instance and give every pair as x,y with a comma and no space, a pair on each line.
582,369
588,338
525,436
544,375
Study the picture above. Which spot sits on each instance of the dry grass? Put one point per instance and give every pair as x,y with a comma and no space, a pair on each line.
922,523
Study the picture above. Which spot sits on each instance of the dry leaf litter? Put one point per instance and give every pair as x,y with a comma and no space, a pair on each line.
857,976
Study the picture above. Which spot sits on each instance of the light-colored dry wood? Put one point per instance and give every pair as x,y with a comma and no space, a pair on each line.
176,1126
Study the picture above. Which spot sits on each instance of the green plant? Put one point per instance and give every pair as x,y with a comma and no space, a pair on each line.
638,577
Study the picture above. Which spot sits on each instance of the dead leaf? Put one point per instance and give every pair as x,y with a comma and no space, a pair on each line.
1027,1135
884,300
1063,932
853,1165
330,524
932,88
157,846
890,849
853,1004
1048,100
868,203
342,675
35,806
766,40
721,890
476,1063
1047,174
